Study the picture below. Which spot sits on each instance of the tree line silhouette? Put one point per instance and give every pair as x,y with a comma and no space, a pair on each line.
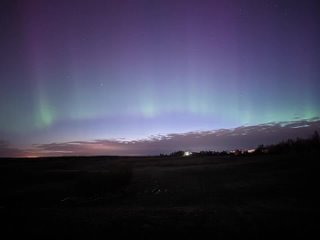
297,145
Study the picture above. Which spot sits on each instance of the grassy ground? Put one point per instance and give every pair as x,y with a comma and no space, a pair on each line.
196,197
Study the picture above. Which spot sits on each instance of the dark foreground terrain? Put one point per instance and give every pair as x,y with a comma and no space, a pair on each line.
256,196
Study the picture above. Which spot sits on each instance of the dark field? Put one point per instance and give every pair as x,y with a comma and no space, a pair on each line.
262,196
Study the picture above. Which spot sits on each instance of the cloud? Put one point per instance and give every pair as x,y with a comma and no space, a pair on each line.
244,137
6,150
223,139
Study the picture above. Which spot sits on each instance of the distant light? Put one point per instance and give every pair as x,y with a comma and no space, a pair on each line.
187,153
251,150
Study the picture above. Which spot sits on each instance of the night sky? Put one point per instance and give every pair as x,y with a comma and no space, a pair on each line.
138,77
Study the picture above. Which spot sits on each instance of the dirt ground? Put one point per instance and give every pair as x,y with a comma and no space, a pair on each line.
255,197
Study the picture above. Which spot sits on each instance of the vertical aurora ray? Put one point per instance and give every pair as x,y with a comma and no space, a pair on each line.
45,114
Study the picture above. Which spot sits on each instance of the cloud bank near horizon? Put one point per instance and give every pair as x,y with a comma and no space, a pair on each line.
244,137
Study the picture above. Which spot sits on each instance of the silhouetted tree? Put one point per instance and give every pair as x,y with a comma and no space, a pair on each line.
177,154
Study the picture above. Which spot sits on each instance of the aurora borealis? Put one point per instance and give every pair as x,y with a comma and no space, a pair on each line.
125,70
